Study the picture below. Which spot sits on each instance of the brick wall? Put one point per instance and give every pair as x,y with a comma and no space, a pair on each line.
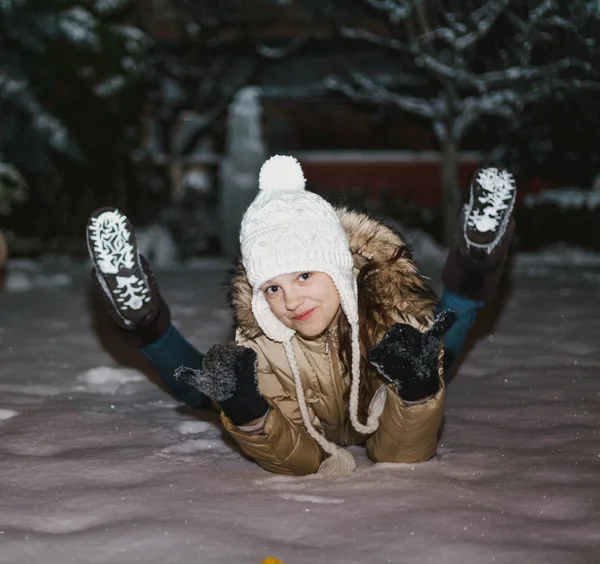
413,176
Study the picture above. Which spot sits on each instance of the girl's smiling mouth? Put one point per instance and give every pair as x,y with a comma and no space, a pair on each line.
305,315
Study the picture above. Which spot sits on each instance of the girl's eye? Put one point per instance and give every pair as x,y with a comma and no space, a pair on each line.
305,276
271,290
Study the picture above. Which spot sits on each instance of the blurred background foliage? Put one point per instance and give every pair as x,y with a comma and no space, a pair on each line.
125,103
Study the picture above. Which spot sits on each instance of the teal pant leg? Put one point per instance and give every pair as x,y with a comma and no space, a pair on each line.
454,340
169,353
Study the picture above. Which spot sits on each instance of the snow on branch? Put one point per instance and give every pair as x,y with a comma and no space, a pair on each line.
495,79
365,90
13,187
374,39
483,19
502,103
49,128
525,74
397,10
540,11
557,87
539,19
110,86
7,6
456,26
105,7
17,92
281,52
448,35
509,102
135,39
462,36
79,26
456,74
12,87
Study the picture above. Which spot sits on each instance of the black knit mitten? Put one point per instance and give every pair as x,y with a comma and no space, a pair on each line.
408,358
228,377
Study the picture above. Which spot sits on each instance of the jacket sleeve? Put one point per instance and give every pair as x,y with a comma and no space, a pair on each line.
284,447
408,432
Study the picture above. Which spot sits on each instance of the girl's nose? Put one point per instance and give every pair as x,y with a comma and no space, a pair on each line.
293,300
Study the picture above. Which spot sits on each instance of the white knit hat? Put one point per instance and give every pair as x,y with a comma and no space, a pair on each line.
287,229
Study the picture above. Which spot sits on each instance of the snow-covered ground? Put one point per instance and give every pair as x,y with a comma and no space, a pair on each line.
98,464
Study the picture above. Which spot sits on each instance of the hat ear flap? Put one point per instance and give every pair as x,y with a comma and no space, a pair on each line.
270,325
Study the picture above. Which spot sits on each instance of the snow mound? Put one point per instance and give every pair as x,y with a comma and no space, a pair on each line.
7,414
193,427
108,380
19,281
560,254
568,198
309,498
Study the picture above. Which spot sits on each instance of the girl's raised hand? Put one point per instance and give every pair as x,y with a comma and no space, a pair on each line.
228,377
408,358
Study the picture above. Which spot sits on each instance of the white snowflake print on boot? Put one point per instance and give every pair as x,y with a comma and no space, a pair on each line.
491,202
113,250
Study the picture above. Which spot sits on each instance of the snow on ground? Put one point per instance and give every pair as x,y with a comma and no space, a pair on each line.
98,464
565,198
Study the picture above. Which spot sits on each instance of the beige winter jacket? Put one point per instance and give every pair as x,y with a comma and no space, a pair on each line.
406,433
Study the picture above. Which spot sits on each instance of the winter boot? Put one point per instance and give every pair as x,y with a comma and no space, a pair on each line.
122,280
486,226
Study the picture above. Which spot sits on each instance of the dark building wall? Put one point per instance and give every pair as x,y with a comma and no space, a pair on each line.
159,18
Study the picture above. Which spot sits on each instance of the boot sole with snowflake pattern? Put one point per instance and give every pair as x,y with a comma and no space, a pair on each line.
489,209
113,250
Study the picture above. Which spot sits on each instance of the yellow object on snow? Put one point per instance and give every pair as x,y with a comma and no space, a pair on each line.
271,560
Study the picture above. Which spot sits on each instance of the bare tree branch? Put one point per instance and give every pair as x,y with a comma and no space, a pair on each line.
494,79
483,19
527,74
467,81
468,94
456,27
374,39
504,104
365,90
510,102
541,11
282,52
397,10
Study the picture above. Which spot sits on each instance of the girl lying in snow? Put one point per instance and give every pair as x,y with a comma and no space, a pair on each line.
337,337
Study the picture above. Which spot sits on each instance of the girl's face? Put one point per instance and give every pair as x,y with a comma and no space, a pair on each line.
307,302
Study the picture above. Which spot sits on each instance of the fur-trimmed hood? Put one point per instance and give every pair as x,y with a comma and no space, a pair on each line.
400,285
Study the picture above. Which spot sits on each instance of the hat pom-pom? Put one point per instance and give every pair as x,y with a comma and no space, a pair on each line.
281,173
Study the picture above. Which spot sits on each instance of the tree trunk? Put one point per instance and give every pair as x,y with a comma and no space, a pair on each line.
451,196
